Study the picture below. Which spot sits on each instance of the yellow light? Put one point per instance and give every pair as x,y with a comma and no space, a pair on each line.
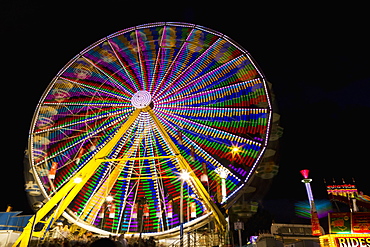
235,149
330,240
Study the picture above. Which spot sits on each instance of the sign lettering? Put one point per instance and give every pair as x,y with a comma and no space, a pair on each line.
353,242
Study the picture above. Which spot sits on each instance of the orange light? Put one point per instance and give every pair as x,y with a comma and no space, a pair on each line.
235,149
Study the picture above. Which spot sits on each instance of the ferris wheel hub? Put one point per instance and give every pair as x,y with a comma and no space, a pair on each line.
141,99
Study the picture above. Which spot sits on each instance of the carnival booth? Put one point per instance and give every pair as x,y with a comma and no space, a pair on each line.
347,229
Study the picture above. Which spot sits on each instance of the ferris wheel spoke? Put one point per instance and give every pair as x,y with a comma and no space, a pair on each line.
169,65
127,75
164,59
237,121
189,71
156,169
81,123
107,60
124,192
219,57
152,145
217,141
78,113
127,48
156,71
240,95
68,149
107,188
225,75
97,200
205,131
93,197
148,56
82,94
85,72
140,40
107,77
127,198
82,97
202,158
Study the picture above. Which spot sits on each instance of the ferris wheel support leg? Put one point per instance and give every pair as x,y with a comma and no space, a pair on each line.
65,195
219,217
27,231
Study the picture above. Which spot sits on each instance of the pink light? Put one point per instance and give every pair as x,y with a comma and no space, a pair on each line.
305,173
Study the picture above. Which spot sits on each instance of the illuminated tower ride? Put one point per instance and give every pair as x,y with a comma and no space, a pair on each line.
316,229
130,112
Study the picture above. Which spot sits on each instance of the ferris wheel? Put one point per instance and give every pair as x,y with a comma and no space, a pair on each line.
133,112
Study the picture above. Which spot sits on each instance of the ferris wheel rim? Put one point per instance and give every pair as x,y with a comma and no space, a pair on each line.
148,97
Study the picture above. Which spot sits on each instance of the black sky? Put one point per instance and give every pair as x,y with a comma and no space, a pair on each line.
316,57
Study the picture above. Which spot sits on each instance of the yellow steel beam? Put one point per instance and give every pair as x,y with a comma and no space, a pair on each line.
219,217
91,209
97,200
67,193
137,158
148,178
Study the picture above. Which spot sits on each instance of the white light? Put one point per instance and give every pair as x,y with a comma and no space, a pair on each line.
77,180
223,174
141,99
184,175
109,198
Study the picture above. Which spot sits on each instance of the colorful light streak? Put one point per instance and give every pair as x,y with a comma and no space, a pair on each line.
201,84
303,209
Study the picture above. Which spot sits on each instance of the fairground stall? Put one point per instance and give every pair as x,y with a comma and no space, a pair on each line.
348,229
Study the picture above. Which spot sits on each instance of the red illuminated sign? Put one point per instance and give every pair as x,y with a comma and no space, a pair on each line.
361,222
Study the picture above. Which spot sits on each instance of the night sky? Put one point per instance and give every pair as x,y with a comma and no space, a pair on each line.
316,57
